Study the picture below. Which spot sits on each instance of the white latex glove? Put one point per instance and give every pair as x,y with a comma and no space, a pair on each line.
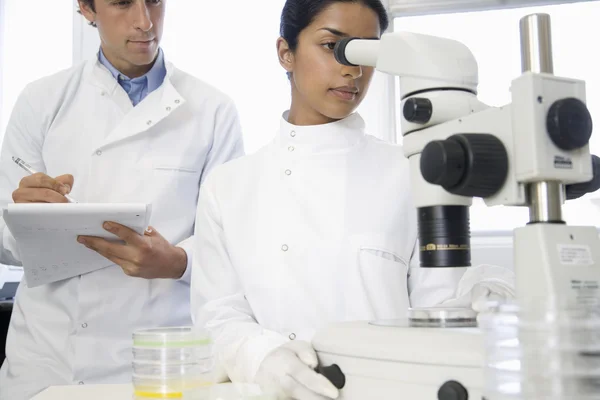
482,287
487,294
288,372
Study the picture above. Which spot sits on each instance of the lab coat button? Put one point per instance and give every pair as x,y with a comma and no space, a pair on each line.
149,123
288,172
292,336
285,247
291,148
293,134
81,382
168,108
84,325
99,153
177,101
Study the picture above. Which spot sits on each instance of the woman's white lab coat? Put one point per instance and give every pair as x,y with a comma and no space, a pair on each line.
314,228
81,122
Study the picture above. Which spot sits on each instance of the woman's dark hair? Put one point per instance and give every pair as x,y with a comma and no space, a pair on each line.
90,4
298,14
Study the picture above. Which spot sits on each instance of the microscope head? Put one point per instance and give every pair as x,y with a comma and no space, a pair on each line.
421,62
438,77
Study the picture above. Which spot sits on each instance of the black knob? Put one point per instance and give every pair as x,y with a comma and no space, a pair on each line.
569,124
417,110
334,374
453,390
443,162
577,190
472,165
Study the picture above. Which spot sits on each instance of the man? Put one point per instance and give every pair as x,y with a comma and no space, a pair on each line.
126,126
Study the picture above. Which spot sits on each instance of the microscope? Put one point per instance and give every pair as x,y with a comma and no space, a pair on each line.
533,152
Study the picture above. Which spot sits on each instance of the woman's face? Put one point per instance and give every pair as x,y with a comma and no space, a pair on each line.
322,89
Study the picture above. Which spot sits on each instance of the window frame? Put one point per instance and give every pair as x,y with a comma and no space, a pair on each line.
411,8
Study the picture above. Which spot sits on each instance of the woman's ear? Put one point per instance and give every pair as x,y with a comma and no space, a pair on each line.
285,54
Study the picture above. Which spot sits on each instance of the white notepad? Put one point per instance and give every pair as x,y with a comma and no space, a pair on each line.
46,236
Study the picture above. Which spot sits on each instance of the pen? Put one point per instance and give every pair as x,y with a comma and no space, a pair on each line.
28,168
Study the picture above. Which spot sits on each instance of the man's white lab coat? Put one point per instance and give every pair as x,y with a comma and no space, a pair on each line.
81,122
314,228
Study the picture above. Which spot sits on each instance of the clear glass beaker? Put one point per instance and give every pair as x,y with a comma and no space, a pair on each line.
168,362
545,354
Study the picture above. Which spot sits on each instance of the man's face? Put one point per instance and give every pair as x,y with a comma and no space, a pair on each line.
130,31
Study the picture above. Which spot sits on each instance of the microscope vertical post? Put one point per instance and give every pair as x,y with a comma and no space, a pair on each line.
536,44
545,199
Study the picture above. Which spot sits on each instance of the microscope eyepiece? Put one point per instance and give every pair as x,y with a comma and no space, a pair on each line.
339,51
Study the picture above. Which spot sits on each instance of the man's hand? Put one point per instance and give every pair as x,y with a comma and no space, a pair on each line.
288,372
149,256
40,188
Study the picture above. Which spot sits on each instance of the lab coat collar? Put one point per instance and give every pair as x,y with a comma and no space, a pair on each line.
137,120
103,78
335,136
154,78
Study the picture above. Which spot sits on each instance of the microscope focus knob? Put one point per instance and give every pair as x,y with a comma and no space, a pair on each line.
453,390
472,165
443,162
417,110
577,190
569,124
334,374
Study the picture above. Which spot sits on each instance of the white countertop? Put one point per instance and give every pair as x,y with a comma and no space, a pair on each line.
87,392
225,391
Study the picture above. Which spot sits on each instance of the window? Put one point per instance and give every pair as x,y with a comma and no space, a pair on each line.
494,39
233,50
232,46
36,38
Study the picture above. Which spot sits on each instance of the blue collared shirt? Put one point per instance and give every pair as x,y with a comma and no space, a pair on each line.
138,88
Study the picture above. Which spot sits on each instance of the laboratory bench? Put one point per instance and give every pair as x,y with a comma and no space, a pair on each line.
224,391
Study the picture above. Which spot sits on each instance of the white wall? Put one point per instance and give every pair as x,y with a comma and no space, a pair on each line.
42,28
427,7
494,248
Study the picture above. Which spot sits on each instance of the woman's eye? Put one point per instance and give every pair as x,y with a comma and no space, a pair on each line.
330,45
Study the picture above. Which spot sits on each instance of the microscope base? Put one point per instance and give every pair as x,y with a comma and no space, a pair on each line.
400,361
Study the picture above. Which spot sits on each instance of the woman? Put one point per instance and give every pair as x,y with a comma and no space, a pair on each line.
316,227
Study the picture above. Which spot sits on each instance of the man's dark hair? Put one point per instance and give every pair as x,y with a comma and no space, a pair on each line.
90,4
